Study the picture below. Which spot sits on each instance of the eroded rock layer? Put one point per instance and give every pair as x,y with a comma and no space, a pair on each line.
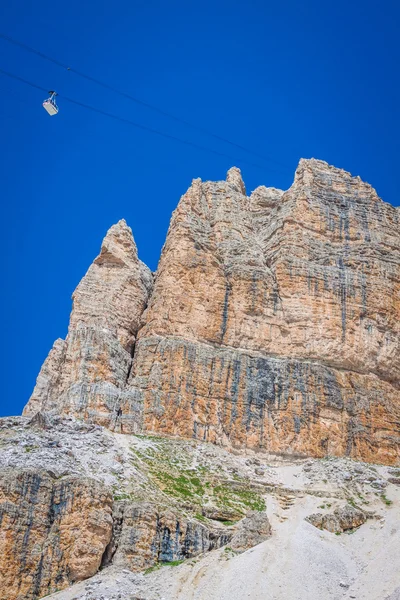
279,404
144,536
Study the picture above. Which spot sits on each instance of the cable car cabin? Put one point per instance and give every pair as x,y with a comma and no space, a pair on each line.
50,105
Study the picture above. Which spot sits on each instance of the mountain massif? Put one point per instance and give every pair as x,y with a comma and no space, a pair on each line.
236,411
272,322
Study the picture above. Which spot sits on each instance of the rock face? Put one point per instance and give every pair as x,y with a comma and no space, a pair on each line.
274,320
86,374
253,530
273,323
342,519
144,536
74,496
53,533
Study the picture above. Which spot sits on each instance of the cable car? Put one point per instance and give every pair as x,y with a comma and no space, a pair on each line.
50,104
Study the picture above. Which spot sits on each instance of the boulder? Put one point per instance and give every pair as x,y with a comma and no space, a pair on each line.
342,519
252,530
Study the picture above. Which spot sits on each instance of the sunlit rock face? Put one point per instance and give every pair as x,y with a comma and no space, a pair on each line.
53,532
86,374
273,322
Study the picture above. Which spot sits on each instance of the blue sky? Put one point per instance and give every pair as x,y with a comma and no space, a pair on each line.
285,79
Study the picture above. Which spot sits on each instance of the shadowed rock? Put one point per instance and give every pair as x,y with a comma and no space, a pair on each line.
144,535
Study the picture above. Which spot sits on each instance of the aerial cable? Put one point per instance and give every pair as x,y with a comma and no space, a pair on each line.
137,100
133,123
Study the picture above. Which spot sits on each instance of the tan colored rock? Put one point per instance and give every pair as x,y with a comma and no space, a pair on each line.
53,532
45,396
86,374
273,323
274,320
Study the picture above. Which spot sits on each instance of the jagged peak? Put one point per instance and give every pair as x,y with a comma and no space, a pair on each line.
234,178
118,246
312,169
317,165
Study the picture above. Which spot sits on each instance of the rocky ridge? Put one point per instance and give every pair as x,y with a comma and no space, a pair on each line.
86,373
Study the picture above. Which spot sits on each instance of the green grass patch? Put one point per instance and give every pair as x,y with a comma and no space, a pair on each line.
170,468
152,569
157,566
239,498
118,497
200,517
172,563
386,500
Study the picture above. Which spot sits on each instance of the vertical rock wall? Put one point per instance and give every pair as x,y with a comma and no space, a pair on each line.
53,533
273,323
144,535
86,374
274,320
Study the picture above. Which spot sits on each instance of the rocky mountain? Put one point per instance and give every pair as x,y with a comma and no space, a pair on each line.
227,425
273,323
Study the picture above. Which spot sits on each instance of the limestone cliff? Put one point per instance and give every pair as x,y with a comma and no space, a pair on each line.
52,532
86,373
273,323
74,496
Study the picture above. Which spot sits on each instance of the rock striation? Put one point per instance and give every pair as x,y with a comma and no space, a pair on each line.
53,532
79,500
86,373
273,323
145,536
274,320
